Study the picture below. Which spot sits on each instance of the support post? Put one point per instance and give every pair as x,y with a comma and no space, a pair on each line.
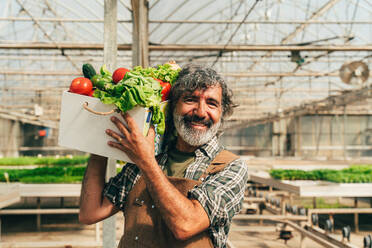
109,224
276,138
282,205
356,216
344,133
302,241
140,44
333,223
109,59
12,145
98,239
282,136
298,151
38,216
330,154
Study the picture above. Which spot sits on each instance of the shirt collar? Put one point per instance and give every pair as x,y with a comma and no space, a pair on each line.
210,149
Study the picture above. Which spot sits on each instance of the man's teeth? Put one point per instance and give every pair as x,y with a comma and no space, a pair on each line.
198,123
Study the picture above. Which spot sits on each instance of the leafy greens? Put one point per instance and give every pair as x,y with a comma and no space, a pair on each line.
139,87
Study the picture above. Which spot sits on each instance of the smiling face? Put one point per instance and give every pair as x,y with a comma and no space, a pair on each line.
197,117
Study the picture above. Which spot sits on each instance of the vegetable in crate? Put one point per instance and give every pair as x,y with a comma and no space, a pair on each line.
88,71
166,73
103,80
138,87
166,89
81,85
119,74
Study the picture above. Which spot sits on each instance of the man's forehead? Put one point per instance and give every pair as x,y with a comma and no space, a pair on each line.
213,90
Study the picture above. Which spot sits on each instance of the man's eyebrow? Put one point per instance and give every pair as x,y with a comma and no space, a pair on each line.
188,94
214,100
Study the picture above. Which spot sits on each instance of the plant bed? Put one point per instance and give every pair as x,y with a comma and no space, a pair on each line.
322,202
47,174
353,174
12,161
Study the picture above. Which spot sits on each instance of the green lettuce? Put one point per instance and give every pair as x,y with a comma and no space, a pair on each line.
163,72
139,87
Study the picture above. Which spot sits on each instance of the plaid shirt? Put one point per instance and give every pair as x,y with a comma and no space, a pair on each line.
220,194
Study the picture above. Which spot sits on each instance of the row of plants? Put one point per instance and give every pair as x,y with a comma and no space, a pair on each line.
55,174
67,160
353,174
48,174
323,203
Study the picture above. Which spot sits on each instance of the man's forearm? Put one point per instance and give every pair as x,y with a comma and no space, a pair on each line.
183,216
92,186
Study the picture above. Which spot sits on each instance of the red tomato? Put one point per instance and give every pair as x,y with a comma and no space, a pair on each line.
91,93
81,85
166,89
119,74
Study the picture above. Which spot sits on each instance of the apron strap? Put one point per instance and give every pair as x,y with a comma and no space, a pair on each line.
219,163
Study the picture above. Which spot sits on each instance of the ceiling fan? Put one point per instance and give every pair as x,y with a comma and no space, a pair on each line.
354,73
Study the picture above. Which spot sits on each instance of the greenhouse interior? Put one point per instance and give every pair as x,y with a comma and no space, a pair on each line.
299,75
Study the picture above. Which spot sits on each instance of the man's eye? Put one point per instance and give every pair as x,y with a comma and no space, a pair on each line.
214,104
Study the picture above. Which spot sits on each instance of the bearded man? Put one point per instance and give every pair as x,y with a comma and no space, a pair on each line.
187,195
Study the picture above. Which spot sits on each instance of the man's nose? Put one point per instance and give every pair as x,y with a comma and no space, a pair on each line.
200,111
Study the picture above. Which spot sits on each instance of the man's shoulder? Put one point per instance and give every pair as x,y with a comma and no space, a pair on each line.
224,157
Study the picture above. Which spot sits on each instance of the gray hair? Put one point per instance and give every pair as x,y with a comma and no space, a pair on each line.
196,77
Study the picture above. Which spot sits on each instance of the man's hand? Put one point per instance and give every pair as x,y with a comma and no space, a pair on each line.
140,149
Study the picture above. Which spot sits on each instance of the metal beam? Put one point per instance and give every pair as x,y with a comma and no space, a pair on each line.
174,11
30,119
315,15
299,28
44,31
190,47
202,7
109,59
329,103
226,74
279,22
320,233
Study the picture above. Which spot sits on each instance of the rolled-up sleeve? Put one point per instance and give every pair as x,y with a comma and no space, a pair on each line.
221,194
118,187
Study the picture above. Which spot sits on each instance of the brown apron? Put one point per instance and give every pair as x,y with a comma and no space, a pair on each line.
144,226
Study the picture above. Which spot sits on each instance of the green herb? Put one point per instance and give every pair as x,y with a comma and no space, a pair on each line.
138,87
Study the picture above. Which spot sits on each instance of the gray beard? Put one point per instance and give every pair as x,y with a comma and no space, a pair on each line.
193,136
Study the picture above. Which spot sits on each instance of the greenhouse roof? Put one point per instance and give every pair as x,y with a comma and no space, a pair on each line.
280,57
